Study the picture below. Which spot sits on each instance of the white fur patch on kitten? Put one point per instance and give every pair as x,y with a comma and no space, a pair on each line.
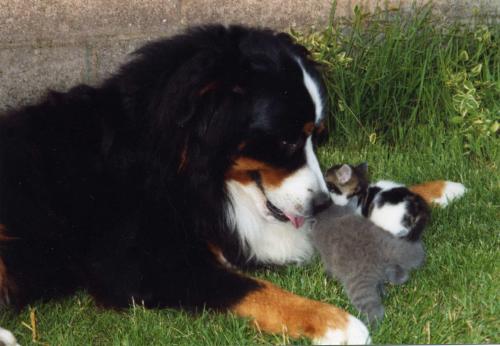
339,199
390,218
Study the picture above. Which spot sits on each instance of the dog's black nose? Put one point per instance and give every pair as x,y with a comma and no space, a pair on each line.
321,201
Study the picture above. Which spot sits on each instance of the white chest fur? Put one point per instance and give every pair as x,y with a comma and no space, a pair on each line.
265,239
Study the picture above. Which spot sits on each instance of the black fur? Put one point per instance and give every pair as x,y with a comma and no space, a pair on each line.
366,199
118,188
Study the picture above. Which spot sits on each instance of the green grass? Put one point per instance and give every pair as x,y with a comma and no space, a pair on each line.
397,88
452,299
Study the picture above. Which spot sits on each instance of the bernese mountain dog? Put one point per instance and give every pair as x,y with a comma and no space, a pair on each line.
194,160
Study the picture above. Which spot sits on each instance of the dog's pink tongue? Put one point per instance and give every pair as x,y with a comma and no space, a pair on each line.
297,221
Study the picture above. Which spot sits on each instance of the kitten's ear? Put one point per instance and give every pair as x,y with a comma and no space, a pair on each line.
344,174
362,167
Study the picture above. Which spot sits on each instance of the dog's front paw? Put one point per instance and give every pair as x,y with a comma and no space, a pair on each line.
353,333
7,338
274,310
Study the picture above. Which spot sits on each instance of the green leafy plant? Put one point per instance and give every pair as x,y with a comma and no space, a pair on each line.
406,77
478,114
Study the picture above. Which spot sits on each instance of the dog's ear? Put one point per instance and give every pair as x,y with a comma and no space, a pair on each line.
190,88
298,49
175,102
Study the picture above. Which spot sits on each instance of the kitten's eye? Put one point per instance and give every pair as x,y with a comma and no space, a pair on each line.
333,188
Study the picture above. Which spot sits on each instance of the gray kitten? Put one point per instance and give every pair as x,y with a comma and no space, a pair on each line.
363,257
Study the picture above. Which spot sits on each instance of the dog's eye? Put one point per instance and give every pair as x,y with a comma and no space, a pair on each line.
289,147
288,144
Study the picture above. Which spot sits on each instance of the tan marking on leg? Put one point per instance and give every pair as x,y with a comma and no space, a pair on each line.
273,310
429,191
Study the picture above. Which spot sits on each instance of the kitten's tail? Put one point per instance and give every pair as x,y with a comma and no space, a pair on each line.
439,192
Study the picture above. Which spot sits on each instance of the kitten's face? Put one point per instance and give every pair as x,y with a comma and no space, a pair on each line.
345,182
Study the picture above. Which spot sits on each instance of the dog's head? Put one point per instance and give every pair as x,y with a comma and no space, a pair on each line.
275,161
243,105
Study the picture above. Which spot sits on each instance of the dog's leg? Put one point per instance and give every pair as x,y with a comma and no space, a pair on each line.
439,192
274,310
206,281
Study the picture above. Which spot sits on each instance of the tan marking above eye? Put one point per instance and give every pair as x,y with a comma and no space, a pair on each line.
270,176
321,127
308,128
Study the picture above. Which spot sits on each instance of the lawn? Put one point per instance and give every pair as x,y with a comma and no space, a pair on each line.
418,101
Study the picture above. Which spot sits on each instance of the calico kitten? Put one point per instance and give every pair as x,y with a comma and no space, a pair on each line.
389,205
363,257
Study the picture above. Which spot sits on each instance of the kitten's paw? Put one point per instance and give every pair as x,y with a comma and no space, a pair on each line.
451,191
375,315
7,338
354,333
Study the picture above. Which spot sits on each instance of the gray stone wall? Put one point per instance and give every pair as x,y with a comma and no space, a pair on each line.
58,43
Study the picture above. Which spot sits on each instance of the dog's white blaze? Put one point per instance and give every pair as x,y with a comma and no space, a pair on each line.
265,238
313,164
296,192
313,89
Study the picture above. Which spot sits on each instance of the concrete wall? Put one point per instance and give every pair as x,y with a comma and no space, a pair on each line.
58,43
